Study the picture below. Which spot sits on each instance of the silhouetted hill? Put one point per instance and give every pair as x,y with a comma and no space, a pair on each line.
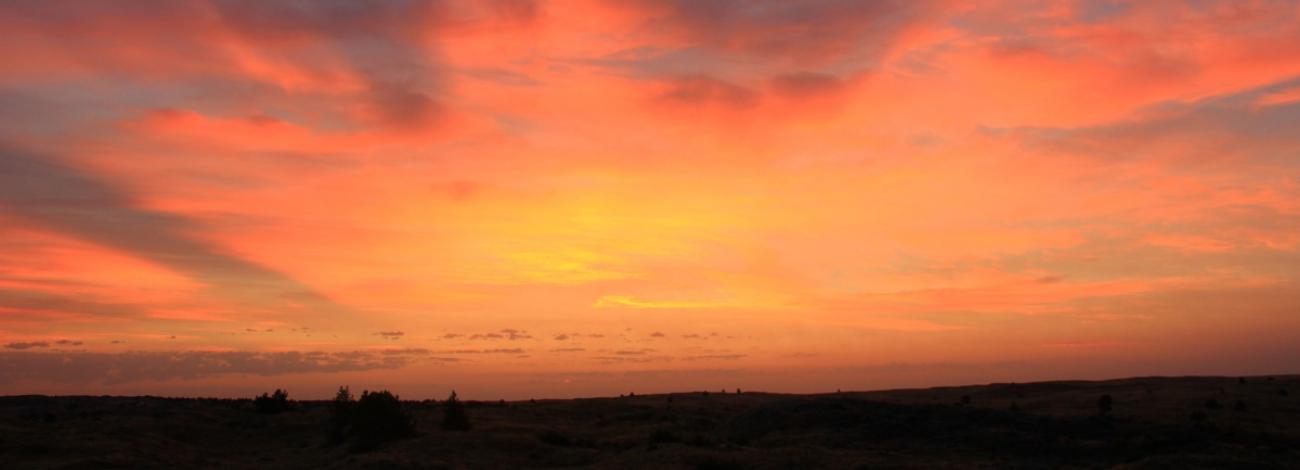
1151,423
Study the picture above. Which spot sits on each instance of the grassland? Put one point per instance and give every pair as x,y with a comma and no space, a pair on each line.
1186,422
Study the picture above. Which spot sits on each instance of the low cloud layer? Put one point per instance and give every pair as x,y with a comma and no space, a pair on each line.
138,366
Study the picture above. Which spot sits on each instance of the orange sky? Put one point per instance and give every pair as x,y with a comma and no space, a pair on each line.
577,198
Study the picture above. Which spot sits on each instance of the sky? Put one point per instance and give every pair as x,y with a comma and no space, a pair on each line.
523,199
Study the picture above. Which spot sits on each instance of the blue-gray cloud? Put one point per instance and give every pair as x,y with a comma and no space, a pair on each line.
57,196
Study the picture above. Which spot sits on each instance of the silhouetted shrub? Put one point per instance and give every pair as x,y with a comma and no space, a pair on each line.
1212,404
663,436
1283,392
377,417
1198,416
554,438
454,417
1240,406
1241,381
1104,404
965,400
272,403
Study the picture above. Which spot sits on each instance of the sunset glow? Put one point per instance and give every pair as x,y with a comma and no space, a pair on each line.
579,198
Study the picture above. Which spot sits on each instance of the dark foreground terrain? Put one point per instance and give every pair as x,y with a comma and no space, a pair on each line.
1196,422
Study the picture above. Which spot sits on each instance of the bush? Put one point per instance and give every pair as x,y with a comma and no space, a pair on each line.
454,417
1104,404
554,438
378,417
272,403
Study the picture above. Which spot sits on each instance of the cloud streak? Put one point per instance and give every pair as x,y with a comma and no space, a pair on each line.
129,367
56,196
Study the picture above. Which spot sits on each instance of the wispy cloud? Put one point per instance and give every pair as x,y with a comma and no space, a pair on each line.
623,301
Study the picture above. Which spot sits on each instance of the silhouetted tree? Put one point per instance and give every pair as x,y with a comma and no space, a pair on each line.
378,417
737,391
340,415
1239,407
1241,381
454,417
1104,404
1212,404
272,403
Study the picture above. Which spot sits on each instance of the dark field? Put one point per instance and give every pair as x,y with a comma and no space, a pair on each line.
1199,422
